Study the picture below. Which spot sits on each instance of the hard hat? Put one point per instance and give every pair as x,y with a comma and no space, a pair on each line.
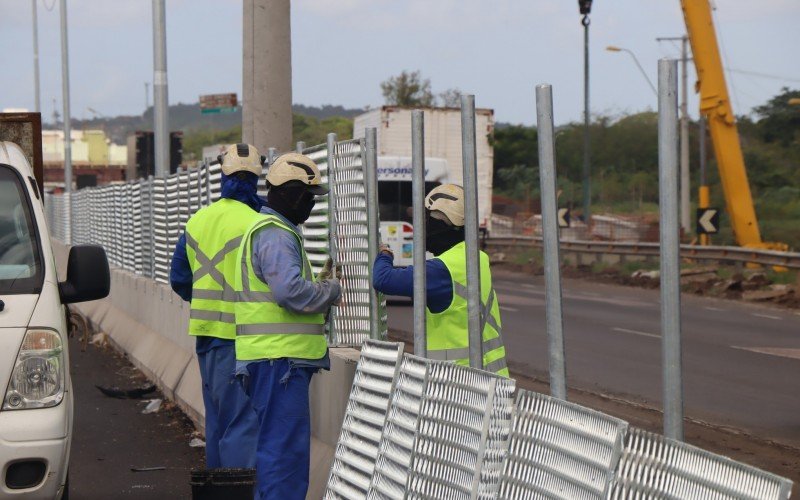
296,167
240,158
448,200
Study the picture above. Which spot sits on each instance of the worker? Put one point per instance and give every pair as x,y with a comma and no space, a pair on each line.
203,271
280,325
446,285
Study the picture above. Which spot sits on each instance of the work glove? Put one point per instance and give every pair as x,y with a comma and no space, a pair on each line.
326,274
384,248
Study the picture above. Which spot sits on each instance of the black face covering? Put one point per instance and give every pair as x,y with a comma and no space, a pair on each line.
292,201
441,236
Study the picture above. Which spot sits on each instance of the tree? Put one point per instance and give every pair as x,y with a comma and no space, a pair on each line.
407,89
780,121
450,98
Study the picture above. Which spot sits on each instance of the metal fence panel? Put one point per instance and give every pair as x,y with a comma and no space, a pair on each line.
559,449
446,433
654,466
357,450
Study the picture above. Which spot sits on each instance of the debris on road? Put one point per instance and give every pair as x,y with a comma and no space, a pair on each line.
153,406
148,469
197,443
116,392
100,339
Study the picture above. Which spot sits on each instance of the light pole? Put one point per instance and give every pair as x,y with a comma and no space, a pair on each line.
65,98
585,8
160,91
37,105
686,219
613,48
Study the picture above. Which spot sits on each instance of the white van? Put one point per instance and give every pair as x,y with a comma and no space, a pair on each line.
36,411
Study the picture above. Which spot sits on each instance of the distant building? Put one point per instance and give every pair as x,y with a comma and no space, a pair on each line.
95,160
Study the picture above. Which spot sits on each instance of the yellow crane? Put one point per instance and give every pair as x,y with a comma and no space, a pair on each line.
715,105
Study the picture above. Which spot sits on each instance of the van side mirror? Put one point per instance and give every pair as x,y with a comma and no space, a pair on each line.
88,277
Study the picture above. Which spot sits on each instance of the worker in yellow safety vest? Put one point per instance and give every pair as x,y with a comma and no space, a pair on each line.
280,325
446,285
202,271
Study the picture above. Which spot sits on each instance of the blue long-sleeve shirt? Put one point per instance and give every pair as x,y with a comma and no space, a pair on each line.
400,281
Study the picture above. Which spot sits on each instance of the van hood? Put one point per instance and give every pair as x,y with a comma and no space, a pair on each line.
17,310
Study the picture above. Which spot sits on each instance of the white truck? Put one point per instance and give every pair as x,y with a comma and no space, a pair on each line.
37,407
443,164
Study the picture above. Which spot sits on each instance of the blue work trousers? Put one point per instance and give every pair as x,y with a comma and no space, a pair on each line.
231,422
279,393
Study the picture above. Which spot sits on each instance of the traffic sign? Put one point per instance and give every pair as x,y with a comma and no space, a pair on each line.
563,217
707,220
218,103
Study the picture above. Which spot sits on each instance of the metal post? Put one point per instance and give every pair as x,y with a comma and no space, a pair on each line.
65,98
552,260
373,223
703,195
686,216
587,186
160,116
333,238
301,145
670,245
36,102
272,155
470,173
418,204
146,96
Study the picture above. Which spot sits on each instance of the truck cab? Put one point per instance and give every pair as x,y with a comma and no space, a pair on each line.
37,405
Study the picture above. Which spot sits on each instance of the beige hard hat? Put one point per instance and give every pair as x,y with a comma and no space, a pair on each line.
240,158
447,200
296,167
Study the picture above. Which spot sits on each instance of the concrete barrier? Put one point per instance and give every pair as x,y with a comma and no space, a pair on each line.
147,321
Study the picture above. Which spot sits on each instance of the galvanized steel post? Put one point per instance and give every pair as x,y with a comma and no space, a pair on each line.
470,172
670,247
552,260
373,224
333,238
418,204
272,155
300,146
161,101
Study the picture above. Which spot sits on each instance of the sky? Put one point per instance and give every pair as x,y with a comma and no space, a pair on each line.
498,50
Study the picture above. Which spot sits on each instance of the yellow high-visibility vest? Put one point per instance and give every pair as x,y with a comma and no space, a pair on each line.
265,330
213,236
448,337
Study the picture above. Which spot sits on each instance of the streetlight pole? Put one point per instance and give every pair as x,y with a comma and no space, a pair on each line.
65,98
613,48
686,219
37,104
160,116
585,8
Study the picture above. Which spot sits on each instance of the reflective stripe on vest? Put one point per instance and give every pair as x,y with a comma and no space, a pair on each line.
448,337
264,329
213,236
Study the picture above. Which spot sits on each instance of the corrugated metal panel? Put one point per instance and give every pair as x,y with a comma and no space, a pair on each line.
560,450
397,439
445,434
654,466
364,420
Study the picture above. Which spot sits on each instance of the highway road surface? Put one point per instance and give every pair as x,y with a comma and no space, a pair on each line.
741,361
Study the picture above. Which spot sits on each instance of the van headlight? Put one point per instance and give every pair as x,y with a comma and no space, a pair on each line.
37,380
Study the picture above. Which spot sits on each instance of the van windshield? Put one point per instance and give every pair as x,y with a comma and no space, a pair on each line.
20,260
394,200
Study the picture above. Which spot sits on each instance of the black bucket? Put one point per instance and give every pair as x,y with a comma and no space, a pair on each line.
223,484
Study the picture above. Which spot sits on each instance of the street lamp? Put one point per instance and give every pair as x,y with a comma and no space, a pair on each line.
585,8
612,48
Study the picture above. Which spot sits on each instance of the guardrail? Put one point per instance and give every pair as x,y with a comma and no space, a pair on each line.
710,253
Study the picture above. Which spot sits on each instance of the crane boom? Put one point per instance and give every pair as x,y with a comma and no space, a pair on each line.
715,105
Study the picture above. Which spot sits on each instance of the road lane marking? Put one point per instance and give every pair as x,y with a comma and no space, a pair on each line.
709,308
637,332
783,352
509,309
767,316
